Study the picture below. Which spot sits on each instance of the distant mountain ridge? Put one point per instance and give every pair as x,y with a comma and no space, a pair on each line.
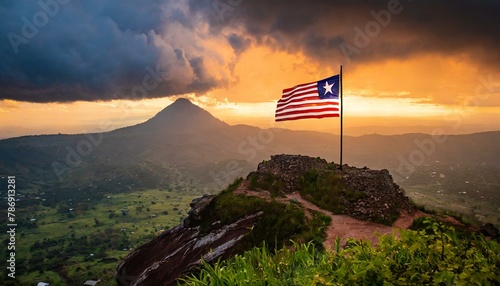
212,153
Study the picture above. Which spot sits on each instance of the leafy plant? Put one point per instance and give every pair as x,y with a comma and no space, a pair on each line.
433,255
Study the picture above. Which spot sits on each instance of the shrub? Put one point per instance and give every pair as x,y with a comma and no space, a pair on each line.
434,255
324,189
266,181
279,224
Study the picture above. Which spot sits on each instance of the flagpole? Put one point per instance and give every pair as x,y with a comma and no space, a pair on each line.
341,117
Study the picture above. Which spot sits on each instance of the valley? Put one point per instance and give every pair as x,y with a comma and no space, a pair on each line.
471,192
70,239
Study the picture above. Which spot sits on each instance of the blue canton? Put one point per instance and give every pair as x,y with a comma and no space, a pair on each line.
328,88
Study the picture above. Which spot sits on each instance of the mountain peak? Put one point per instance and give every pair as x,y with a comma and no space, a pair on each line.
182,103
182,100
183,116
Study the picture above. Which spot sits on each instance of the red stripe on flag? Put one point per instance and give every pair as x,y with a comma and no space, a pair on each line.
309,116
292,112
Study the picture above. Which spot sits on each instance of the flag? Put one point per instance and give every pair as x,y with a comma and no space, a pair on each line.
317,99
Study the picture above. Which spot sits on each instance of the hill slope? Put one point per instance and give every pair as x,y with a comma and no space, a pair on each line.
264,210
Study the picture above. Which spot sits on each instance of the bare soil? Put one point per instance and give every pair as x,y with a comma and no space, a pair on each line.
342,227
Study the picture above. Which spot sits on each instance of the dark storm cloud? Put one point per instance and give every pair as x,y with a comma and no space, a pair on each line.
329,29
62,50
238,43
203,80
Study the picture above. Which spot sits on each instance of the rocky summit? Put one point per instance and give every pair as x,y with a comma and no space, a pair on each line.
268,207
364,194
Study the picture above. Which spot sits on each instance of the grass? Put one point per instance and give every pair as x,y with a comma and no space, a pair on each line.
268,182
432,255
325,190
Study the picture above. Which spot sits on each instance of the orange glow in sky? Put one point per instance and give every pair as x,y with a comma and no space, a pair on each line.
424,90
240,81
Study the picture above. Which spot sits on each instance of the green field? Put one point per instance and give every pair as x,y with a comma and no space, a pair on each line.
77,241
472,191
472,210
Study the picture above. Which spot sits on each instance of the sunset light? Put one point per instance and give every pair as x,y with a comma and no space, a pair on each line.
191,142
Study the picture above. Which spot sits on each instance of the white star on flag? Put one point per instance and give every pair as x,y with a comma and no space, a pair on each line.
328,88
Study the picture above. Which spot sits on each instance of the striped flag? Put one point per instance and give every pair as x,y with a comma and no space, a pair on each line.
317,99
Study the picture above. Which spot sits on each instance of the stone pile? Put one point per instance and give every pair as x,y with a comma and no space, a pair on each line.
383,200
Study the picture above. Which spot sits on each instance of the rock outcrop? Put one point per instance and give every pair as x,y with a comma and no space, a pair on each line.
383,200
180,249
379,199
289,168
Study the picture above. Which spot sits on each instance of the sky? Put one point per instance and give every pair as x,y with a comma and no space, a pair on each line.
71,66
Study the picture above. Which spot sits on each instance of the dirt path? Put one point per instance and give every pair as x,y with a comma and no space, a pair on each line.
345,227
342,226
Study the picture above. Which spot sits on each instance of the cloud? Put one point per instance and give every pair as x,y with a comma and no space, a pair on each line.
238,43
64,51
61,51
369,30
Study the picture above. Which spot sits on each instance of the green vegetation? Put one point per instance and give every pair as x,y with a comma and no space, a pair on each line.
280,222
470,191
325,190
85,238
433,254
268,182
